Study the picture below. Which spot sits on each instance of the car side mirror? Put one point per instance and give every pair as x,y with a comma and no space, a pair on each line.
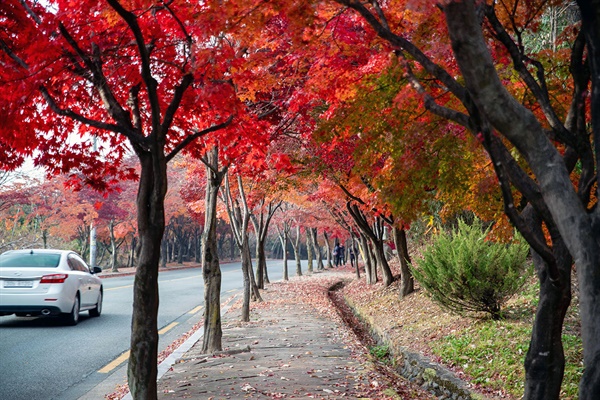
96,270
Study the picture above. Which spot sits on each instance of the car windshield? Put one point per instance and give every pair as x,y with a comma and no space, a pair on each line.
29,260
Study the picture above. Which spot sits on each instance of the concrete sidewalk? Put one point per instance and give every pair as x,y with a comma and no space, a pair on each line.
288,350
288,353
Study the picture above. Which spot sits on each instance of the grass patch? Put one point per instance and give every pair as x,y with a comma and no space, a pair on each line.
382,353
490,352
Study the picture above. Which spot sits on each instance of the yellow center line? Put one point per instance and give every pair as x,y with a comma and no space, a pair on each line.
119,360
195,310
114,363
168,328
230,291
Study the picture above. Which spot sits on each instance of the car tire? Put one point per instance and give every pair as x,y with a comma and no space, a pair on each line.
72,318
97,310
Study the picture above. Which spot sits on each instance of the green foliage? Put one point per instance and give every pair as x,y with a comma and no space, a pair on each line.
465,273
380,352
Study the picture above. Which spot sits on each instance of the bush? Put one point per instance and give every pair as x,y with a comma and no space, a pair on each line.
465,273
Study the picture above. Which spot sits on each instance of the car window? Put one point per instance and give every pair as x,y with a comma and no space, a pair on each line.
77,265
29,260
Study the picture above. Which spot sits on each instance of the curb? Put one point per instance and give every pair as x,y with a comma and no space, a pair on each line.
417,368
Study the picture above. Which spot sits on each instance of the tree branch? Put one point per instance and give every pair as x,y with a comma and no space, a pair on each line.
12,55
151,83
186,81
197,134
539,90
80,118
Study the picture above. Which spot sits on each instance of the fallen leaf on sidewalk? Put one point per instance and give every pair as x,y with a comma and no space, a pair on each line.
247,388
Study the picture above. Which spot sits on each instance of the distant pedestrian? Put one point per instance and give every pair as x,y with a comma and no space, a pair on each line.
352,256
342,254
336,254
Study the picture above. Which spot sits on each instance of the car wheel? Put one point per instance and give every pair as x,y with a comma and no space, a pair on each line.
72,318
95,312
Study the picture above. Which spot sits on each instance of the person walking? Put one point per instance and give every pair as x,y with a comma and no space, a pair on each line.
352,257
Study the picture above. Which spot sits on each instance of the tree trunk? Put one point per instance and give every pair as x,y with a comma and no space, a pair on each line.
407,285
181,251
328,250
370,270
265,270
354,263
521,128
260,228
113,247
309,252
296,247
284,240
317,249
246,271
211,270
382,262
254,288
260,264
545,360
133,251
142,368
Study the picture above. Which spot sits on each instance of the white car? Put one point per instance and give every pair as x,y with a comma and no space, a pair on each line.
48,282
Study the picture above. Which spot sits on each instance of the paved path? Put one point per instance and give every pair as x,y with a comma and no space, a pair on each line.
287,351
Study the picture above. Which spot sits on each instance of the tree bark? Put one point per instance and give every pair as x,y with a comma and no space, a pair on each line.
382,262
283,237
309,251
211,270
113,246
296,247
142,368
545,360
260,277
365,252
328,249
246,271
316,248
407,285
355,252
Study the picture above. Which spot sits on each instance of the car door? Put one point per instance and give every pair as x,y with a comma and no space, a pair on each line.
93,283
83,276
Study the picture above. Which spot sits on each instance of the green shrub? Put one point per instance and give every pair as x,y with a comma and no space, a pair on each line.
380,352
465,273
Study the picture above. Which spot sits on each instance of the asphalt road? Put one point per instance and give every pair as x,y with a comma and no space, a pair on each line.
41,360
